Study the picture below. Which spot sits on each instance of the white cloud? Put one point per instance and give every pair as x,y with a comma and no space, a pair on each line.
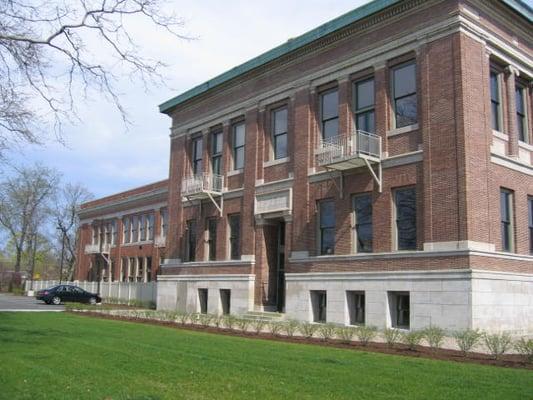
107,159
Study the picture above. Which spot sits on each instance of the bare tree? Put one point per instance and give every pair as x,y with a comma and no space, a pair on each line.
54,52
66,220
24,202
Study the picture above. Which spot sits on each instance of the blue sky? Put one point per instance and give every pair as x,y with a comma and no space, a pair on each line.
101,154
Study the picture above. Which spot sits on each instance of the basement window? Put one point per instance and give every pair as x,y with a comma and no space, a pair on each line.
399,305
202,300
225,301
356,307
319,305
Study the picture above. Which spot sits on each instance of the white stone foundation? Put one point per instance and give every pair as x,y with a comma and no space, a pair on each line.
453,300
180,292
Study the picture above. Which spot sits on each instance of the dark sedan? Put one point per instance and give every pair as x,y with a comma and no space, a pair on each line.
66,294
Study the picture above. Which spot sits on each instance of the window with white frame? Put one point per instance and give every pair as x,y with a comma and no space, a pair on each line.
362,223
364,105
126,225
142,227
329,114
404,94
507,219
238,145
319,303
191,240
216,152
150,226
399,306
211,240
164,222
197,149
521,117
135,229
234,222
280,132
495,100
405,218
326,226
356,307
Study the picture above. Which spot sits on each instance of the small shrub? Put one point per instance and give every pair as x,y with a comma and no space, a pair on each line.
365,334
346,333
258,325
326,331
524,347
290,327
275,327
412,339
230,321
434,336
467,339
205,319
183,318
497,343
308,329
392,336
218,320
242,324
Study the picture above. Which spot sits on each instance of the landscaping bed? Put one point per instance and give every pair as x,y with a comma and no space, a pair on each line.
194,322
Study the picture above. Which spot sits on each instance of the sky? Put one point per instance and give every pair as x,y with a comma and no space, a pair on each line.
100,153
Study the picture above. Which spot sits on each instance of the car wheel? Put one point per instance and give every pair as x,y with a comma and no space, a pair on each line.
92,300
56,300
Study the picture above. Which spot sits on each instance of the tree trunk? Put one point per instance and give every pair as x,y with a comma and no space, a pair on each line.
18,258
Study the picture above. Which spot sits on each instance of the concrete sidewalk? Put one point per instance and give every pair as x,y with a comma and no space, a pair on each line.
10,302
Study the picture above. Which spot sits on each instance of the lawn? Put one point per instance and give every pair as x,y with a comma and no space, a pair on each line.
65,356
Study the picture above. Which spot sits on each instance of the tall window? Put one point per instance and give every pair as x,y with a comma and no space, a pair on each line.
279,133
197,146
235,236
362,208
191,240
150,226
329,114
114,231
405,209
238,146
506,213
108,232
127,229
96,234
212,239
142,227
521,123
530,211
135,229
495,102
399,303
364,105
327,226
164,222
404,95
216,153
356,307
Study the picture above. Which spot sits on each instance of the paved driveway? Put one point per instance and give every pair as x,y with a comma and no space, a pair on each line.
23,303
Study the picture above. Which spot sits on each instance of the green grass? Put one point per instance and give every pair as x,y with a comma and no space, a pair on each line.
65,356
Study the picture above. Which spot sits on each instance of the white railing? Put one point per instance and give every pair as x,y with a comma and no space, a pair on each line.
202,183
160,241
96,249
339,148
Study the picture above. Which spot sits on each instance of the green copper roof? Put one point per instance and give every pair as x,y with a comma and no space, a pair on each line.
300,41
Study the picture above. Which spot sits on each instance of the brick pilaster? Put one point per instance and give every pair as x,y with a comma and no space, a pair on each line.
510,89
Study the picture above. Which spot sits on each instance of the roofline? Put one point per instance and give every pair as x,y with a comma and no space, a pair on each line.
300,41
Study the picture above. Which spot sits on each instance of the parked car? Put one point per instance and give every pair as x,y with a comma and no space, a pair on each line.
67,293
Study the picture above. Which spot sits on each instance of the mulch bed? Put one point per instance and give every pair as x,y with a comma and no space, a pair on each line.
508,360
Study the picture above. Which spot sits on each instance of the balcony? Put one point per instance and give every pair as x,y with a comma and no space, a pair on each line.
202,186
347,152
97,249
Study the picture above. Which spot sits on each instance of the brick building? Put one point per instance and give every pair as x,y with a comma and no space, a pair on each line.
377,169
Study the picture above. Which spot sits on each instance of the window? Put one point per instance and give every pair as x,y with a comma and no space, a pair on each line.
216,153
495,102
123,269
329,114
114,231
235,236
399,309
150,223
405,202
164,222
225,301
202,300
148,269
197,155
362,210
279,133
191,240
356,307
530,211
506,212
319,305
108,233
142,227
211,239
96,234
131,269
404,95
135,229
140,269
127,229
327,226
238,146
521,123
364,105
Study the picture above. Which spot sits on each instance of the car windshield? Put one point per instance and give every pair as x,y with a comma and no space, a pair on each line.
53,288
